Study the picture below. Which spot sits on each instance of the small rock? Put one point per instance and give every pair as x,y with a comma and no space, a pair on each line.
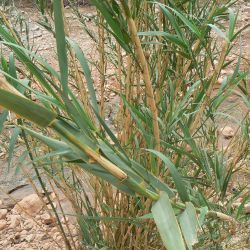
230,58
47,219
18,229
54,230
24,232
230,72
59,238
3,213
42,236
30,237
65,220
89,15
28,225
75,232
3,224
223,71
31,204
45,216
227,132
38,217
17,236
220,80
17,239
47,246
35,28
53,196
57,234
50,207
78,246
5,243
14,221
247,208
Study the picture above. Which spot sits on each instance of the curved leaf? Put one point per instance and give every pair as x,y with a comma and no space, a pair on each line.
167,224
179,183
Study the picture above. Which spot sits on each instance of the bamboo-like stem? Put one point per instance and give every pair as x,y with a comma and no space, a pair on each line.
159,60
126,125
145,73
102,68
59,127
119,79
109,166
138,86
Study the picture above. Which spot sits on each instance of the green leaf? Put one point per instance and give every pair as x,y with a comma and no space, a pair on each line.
167,224
188,23
172,19
26,108
219,32
189,225
111,134
203,213
75,157
3,118
138,117
151,179
22,85
13,139
179,183
33,55
61,44
12,68
98,171
115,21
21,161
172,38
26,60
232,24
87,73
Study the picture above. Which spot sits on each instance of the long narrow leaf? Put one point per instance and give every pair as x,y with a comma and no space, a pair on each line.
12,144
3,118
87,73
189,225
180,184
61,44
167,224
26,108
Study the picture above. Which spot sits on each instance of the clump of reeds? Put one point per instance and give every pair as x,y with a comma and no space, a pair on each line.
161,173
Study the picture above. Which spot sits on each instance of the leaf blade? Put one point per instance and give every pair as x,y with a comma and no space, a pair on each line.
189,225
179,183
167,224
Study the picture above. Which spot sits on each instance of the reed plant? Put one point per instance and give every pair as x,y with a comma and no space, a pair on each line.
157,178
